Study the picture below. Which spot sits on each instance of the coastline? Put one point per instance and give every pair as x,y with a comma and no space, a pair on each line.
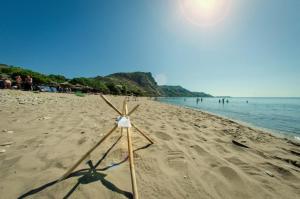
239,122
193,155
278,133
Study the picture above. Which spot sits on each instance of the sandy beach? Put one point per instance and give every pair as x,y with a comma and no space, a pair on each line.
194,156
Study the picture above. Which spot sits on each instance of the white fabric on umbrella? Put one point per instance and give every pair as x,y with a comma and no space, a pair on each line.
123,122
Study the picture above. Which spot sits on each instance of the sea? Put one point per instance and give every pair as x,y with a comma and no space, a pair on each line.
274,114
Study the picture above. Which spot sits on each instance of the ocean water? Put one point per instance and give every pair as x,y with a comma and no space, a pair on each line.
279,115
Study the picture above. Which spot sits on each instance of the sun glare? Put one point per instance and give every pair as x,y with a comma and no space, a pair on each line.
205,12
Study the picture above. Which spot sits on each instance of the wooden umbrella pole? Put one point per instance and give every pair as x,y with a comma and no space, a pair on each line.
130,112
111,105
131,165
125,108
123,113
121,131
143,134
131,162
87,153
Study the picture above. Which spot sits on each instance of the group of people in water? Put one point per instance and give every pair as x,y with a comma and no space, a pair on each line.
223,101
220,100
197,100
17,83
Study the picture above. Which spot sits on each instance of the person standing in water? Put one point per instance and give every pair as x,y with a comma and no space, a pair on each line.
197,100
201,99
223,100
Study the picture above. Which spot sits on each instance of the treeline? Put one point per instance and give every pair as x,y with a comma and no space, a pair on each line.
105,85
38,77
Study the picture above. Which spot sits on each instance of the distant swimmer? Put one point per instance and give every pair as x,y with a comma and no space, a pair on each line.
227,101
247,101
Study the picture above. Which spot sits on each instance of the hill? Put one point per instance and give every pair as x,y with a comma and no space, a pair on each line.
135,83
178,91
201,94
140,80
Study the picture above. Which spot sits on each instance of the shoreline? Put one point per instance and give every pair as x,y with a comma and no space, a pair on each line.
280,134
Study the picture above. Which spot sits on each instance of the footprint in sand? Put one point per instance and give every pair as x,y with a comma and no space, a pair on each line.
146,165
246,167
181,135
200,138
163,136
220,148
199,150
231,175
176,159
163,127
184,128
81,141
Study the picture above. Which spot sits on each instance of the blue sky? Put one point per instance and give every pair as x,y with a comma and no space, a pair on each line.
253,51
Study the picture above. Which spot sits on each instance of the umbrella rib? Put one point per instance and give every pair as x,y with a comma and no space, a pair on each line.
111,105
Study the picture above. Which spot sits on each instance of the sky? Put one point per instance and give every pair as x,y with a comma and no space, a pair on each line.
222,47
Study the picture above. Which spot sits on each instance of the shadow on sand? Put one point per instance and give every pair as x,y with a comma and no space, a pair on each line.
89,176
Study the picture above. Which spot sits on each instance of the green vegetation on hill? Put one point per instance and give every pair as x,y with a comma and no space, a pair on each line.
178,91
175,91
142,83
90,82
136,83
38,77
201,94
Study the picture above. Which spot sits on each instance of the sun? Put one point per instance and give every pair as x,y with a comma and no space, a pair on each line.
205,12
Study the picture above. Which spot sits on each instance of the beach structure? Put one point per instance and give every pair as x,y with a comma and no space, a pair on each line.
124,123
